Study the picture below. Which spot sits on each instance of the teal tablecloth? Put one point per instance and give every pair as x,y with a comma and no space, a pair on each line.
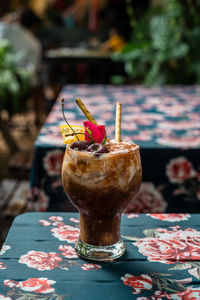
165,122
162,260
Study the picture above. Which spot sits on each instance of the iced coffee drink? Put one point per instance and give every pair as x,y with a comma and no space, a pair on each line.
100,185
100,177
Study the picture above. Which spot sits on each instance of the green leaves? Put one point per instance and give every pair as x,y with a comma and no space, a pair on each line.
14,80
104,140
160,32
90,135
164,284
179,51
166,38
163,49
21,295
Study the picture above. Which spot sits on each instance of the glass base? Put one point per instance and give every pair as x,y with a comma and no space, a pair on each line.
100,253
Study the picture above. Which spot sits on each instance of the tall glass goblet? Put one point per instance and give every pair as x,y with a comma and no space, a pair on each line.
100,187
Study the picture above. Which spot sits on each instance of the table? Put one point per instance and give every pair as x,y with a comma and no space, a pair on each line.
77,53
38,260
81,65
165,122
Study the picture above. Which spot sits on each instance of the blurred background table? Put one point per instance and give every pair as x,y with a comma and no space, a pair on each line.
38,260
81,65
80,53
165,122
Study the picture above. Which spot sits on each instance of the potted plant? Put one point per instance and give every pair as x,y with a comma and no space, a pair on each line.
14,80
14,85
164,46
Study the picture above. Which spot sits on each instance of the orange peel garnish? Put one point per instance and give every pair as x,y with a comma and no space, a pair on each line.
66,130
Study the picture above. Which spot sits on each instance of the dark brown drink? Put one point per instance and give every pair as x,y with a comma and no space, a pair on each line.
100,187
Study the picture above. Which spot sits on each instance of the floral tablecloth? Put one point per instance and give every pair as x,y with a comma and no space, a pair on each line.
162,260
165,122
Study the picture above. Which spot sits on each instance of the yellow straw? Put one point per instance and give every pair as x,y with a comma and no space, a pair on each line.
118,123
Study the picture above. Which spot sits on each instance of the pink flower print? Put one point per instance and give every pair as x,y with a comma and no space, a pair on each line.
74,220
44,222
180,125
170,217
180,142
176,233
149,199
4,249
53,162
169,251
191,293
2,266
68,251
56,218
145,135
130,127
131,216
66,233
41,260
180,169
10,283
58,224
109,130
138,283
159,295
36,285
88,267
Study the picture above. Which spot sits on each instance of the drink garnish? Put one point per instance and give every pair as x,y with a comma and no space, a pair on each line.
80,146
69,135
85,111
81,138
118,123
97,132
62,106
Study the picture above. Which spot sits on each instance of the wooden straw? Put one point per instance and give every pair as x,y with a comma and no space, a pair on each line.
118,123
85,111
